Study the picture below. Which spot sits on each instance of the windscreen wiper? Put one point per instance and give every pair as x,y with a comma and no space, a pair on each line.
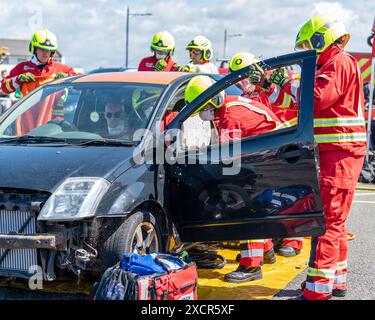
105,142
34,139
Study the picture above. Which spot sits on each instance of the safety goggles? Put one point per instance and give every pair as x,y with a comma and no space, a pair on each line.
195,52
161,50
215,102
116,115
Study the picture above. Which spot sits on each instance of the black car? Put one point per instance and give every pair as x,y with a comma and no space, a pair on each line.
76,193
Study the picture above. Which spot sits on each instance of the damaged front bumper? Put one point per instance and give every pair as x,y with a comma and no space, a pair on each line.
40,241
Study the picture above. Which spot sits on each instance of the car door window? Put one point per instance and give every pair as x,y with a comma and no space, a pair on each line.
270,111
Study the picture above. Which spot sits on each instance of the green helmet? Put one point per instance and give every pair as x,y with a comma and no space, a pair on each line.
43,39
241,60
199,84
320,32
203,44
163,41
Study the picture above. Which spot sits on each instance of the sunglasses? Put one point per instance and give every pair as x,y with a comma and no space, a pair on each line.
114,114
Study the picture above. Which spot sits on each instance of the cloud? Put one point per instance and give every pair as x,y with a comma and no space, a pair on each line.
91,33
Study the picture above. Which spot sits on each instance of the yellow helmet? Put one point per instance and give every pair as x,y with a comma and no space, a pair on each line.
199,84
241,60
203,44
43,39
143,101
320,32
163,41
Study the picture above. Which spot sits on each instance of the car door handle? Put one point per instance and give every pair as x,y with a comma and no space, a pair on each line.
291,154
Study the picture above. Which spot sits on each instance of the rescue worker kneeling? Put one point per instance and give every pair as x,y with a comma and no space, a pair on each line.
237,117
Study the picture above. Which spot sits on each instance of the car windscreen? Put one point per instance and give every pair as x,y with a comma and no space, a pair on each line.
85,111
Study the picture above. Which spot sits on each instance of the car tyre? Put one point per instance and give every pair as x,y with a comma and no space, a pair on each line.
139,233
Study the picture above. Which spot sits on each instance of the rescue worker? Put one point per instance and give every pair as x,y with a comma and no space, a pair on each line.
237,117
339,128
201,53
254,253
277,100
162,46
43,46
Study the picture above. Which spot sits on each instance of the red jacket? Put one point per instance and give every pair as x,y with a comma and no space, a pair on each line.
339,103
282,106
148,64
10,83
167,119
240,117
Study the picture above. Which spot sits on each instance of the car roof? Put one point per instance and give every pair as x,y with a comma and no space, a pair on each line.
136,77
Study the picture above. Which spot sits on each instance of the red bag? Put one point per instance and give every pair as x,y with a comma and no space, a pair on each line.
180,284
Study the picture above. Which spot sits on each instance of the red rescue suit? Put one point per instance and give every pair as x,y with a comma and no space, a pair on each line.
296,243
10,83
240,117
250,118
148,64
281,104
339,129
167,119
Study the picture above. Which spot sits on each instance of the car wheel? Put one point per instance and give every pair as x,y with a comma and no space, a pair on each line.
137,234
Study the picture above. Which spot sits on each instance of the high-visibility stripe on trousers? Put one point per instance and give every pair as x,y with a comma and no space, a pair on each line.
340,275
327,265
296,243
252,252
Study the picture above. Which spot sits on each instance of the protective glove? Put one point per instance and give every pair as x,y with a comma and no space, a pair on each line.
61,75
161,65
188,68
280,77
258,76
26,77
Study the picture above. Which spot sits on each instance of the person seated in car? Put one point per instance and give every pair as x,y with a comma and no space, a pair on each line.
118,126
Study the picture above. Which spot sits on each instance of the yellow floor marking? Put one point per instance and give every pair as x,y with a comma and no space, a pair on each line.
365,194
275,277
363,201
365,186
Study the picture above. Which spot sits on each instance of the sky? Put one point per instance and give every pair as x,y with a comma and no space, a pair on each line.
91,33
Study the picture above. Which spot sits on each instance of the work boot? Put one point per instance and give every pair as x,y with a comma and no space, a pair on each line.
335,292
269,256
287,251
244,274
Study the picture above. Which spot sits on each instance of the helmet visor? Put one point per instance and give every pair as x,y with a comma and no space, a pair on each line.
303,46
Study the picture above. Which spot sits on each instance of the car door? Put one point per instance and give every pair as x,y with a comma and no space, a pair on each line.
265,186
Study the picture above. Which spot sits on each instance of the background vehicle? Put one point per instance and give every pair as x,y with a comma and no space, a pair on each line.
73,198
113,69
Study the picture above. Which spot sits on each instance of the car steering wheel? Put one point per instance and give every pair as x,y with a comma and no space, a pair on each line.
64,125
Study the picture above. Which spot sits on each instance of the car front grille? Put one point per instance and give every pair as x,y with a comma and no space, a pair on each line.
16,217
17,260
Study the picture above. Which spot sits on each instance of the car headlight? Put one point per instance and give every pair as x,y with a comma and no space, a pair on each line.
74,199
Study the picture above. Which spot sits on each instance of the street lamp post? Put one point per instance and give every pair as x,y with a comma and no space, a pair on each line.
229,36
128,15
